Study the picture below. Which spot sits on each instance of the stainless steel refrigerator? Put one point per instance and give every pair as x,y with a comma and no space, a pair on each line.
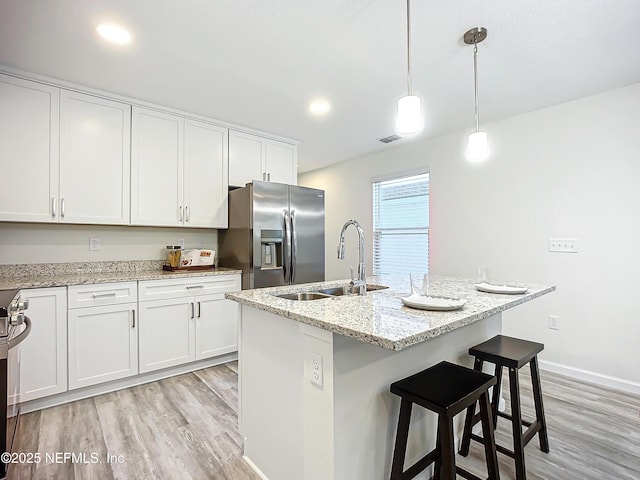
275,234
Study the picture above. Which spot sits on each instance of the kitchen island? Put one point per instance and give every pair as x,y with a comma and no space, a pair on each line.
314,374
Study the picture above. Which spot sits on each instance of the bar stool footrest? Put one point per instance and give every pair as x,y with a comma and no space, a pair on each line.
499,448
420,465
510,418
466,474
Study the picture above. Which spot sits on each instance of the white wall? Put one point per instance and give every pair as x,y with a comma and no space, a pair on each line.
45,243
572,170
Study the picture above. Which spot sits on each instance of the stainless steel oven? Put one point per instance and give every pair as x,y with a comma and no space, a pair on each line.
15,326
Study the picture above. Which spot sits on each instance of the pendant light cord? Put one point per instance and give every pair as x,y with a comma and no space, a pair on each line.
408,48
475,82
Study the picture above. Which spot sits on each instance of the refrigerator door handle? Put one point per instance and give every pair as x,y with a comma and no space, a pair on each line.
294,246
286,260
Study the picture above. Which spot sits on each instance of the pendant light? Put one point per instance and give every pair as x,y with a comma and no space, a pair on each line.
409,120
478,141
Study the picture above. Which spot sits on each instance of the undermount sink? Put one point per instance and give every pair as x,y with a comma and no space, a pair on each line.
304,296
348,290
328,292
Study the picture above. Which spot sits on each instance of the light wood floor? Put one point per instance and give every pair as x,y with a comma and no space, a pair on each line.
185,427
594,434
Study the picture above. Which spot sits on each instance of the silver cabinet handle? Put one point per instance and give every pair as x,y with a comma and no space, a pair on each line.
53,206
186,211
198,309
268,177
62,208
102,295
192,311
264,176
133,319
191,287
181,213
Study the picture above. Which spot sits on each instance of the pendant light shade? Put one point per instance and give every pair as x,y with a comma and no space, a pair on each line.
478,141
409,120
409,115
478,147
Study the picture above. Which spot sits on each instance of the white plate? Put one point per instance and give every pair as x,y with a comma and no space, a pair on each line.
433,303
508,289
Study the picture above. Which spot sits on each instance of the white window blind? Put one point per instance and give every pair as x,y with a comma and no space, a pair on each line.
401,225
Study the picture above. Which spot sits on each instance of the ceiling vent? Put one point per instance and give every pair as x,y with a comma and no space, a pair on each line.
390,138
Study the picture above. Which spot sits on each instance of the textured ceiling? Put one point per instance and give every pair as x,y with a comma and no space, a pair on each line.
258,63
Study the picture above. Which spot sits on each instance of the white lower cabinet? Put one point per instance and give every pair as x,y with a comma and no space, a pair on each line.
167,333
103,335
190,320
85,335
216,325
43,354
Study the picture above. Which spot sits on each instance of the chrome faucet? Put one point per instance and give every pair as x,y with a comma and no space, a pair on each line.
361,282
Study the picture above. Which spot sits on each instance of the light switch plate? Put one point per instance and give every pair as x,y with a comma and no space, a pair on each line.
563,245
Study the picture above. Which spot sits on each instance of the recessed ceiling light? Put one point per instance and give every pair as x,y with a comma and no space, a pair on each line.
319,107
114,33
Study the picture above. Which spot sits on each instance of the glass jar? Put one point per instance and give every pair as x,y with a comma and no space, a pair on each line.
174,252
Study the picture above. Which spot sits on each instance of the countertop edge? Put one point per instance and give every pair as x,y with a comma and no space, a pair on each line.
89,278
383,342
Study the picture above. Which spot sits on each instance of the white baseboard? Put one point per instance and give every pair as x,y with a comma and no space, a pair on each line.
254,468
99,389
592,377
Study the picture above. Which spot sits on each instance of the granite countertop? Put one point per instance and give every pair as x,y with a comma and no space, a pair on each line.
87,273
379,317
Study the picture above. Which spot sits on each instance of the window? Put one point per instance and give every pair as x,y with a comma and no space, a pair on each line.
401,225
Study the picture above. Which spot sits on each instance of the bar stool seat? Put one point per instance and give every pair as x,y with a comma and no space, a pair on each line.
512,353
445,389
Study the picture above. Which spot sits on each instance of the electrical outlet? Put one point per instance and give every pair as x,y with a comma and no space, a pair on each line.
316,369
94,244
563,245
554,322
181,242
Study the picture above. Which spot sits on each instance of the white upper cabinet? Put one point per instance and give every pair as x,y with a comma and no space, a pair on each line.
256,158
94,159
281,162
246,154
178,171
28,149
157,148
66,153
206,170
71,157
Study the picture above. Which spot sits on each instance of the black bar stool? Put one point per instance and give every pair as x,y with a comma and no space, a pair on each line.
446,389
512,353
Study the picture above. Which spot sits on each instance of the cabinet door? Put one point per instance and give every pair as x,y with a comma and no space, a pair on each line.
281,162
43,354
166,333
156,168
246,154
94,159
206,175
103,344
216,325
29,133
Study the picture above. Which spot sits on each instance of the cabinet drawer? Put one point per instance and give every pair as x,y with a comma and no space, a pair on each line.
187,287
102,294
